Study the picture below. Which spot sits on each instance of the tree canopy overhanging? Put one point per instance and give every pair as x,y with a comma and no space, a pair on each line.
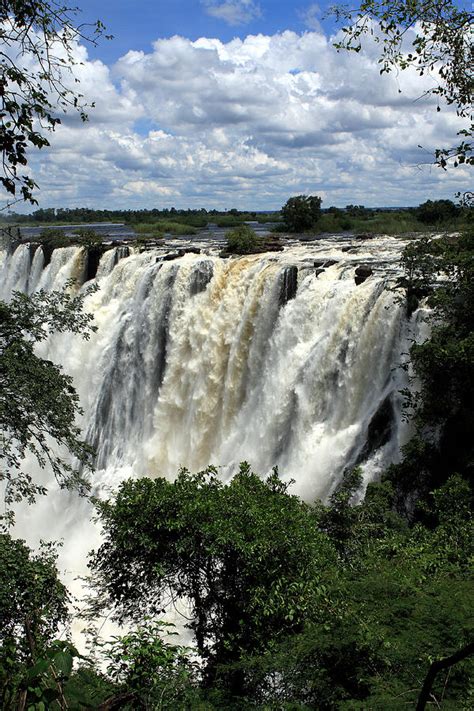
37,83
38,403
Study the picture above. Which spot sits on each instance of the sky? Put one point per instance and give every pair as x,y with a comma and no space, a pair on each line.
240,103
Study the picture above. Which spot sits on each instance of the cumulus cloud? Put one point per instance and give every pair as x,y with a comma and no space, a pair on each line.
310,16
234,12
247,123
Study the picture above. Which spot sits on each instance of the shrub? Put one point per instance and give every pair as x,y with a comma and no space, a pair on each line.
242,240
157,229
54,238
87,238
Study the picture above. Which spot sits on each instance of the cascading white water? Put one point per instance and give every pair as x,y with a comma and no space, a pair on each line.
201,360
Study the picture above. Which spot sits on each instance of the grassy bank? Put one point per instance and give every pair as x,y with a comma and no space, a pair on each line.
161,227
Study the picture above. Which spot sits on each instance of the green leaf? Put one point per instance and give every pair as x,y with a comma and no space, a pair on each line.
37,670
63,663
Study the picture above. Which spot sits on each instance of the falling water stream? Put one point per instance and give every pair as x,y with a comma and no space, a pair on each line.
277,359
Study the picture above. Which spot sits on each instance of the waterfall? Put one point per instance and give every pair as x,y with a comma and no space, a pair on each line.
278,359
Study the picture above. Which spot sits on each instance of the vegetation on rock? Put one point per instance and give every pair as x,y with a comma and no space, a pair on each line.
242,240
442,271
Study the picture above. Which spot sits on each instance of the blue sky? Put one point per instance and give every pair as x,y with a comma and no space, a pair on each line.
241,103
135,25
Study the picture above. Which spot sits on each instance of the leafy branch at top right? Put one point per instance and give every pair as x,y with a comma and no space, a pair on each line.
433,37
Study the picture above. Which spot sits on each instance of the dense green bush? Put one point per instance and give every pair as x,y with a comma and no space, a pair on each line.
54,238
258,564
296,605
357,211
433,212
242,240
87,238
159,228
33,606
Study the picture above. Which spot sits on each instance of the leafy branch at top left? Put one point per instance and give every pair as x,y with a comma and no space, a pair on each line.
38,55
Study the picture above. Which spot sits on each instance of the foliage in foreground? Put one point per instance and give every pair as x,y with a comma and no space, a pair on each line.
37,400
37,72
294,606
33,607
442,272
246,555
430,38
297,605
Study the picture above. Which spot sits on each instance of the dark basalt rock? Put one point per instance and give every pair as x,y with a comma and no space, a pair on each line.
201,277
379,430
323,263
188,250
93,257
362,273
168,257
289,284
179,253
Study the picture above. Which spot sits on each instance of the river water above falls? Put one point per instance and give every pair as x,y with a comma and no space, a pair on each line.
277,359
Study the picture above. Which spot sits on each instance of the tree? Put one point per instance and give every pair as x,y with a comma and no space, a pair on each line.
401,597
37,400
147,669
37,62
33,606
442,48
442,271
357,210
432,212
248,556
301,212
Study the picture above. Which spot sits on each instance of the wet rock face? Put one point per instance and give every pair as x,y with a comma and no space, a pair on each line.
179,253
362,273
188,250
93,257
201,277
289,284
323,263
380,429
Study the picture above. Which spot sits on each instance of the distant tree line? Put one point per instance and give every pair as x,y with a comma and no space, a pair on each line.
303,213
198,217
299,213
